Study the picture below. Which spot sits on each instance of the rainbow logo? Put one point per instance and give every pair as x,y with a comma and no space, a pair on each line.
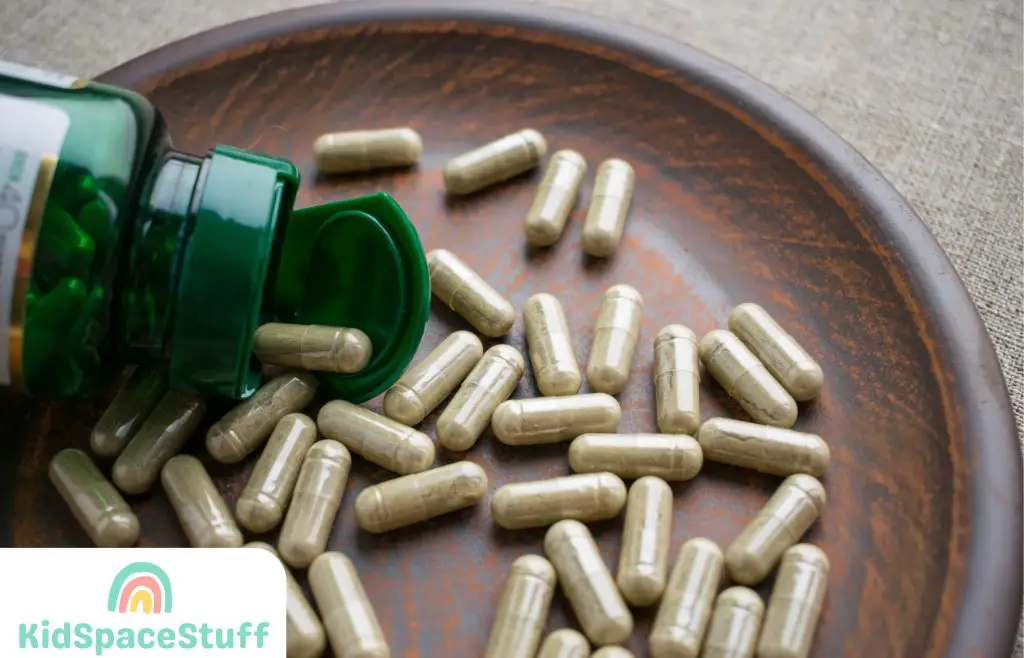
140,587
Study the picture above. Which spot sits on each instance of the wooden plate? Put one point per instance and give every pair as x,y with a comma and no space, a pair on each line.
740,196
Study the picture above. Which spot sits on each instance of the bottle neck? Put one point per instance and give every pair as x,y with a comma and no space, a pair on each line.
158,242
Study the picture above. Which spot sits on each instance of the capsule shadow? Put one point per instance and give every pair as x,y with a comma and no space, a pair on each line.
596,265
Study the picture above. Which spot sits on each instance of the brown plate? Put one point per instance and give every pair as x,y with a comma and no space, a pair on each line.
740,196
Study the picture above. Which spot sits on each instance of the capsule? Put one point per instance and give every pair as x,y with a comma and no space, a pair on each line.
615,336
244,429
766,449
551,352
203,514
682,618
643,561
366,150
672,457
495,162
465,292
746,380
315,502
376,438
129,409
564,643
590,497
533,421
778,351
735,623
787,515
414,498
162,435
612,652
312,347
489,384
587,583
352,626
261,505
677,380
555,198
95,503
609,205
523,609
303,631
795,603
424,386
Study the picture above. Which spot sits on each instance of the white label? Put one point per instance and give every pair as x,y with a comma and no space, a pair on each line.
29,130
38,76
142,602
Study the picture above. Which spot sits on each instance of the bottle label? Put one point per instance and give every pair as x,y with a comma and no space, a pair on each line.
31,137
38,76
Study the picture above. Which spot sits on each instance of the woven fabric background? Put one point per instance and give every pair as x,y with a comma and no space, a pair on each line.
930,91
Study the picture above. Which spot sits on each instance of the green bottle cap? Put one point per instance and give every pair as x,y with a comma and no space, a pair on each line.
359,264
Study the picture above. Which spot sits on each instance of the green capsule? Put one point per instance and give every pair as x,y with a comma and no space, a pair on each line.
781,354
262,503
564,643
203,514
244,429
522,609
315,502
788,514
735,624
795,603
555,198
609,206
126,413
495,162
96,220
685,609
162,435
303,631
64,249
366,150
772,450
351,625
96,504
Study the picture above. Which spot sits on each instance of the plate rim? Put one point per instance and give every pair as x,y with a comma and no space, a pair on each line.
993,567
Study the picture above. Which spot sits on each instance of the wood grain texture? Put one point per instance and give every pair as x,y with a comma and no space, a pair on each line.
740,196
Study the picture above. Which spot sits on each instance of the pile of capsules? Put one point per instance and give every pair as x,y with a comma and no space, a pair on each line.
298,481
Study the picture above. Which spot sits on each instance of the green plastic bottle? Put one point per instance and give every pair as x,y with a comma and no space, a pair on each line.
116,249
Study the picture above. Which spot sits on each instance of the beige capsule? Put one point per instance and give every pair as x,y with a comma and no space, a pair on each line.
533,421
522,609
792,509
244,429
495,162
489,384
772,450
672,457
376,438
587,583
612,652
551,352
677,380
587,498
746,380
315,502
555,198
415,498
609,206
685,609
351,625
365,150
735,623
303,631
203,514
564,643
465,292
95,503
312,347
126,413
262,503
795,603
615,337
429,382
643,561
778,351
162,435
